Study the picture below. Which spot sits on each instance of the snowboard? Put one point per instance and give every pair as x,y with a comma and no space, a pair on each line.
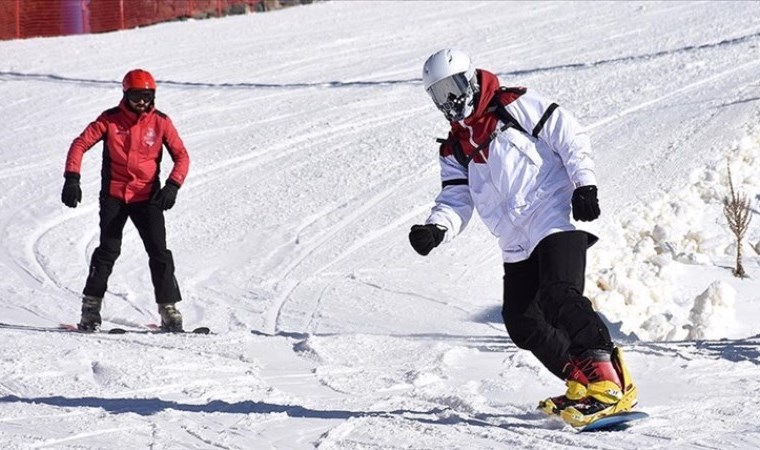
156,328
152,329
614,422
196,330
74,329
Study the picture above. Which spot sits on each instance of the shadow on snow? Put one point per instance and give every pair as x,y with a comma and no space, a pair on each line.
734,350
151,406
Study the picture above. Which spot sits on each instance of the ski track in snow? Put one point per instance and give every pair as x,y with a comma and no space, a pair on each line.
311,159
675,93
273,317
364,420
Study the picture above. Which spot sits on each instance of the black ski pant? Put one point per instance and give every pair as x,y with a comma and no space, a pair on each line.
148,218
544,307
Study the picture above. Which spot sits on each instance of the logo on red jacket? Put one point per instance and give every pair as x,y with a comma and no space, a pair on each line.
149,138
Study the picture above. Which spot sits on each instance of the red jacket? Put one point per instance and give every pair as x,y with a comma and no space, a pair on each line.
132,149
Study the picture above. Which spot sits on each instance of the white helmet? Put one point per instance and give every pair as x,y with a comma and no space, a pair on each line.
450,80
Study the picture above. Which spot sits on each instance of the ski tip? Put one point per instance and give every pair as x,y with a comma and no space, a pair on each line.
201,330
117,331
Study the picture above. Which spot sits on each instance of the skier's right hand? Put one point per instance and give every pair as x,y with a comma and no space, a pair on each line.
72,192
585,204
167,196
426,237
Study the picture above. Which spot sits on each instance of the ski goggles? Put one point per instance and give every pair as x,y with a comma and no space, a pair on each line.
449,92
145,95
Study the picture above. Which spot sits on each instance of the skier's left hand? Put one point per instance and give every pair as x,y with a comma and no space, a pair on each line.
426,237
167,196
585,203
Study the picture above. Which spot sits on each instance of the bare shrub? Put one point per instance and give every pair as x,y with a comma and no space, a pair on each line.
738,213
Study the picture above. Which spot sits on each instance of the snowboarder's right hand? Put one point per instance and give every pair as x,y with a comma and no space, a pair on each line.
72,192
426,237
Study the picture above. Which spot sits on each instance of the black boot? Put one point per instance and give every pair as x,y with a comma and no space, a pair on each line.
90,320
171,318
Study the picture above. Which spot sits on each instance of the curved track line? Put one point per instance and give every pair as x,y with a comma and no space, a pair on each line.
670,94
273,314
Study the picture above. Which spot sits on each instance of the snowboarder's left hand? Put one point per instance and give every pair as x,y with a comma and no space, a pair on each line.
585,203
167,196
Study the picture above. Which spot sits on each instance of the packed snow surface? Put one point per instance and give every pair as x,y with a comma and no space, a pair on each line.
313,152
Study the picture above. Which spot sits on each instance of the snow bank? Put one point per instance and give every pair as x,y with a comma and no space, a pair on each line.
664,253
713,312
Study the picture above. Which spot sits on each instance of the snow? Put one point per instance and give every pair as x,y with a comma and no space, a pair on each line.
312,147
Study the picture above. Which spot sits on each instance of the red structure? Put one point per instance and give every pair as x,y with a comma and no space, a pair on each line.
32,18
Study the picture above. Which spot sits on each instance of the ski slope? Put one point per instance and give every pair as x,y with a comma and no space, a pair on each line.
312,153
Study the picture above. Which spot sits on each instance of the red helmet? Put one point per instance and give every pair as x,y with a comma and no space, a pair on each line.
138,79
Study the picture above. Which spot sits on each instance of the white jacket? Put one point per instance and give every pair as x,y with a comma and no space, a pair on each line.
523,186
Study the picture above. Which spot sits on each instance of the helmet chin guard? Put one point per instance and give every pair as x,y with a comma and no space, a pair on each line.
450,80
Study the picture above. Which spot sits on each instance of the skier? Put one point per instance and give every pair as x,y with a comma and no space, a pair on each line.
522,162
133,135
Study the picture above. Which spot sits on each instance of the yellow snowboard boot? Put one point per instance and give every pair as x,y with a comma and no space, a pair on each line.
576,391
609,390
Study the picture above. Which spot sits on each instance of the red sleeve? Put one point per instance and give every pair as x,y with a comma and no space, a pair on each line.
178,153
89,137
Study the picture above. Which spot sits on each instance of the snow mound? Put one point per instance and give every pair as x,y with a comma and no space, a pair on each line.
655,270
713,312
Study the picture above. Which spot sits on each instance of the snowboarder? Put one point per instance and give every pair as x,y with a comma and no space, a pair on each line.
133,135
524,164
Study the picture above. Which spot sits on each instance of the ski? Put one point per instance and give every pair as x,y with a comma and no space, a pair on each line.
63,328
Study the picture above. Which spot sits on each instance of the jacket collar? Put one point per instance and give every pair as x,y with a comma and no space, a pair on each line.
489,84
131,115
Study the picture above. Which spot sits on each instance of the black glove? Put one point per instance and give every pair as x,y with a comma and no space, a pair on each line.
72,192
426,237
585,203
166,197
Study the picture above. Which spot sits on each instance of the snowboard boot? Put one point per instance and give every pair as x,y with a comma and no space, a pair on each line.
90,320
171,318
576,391
609,389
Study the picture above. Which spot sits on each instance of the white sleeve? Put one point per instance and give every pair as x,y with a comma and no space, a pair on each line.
558,128
453,206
